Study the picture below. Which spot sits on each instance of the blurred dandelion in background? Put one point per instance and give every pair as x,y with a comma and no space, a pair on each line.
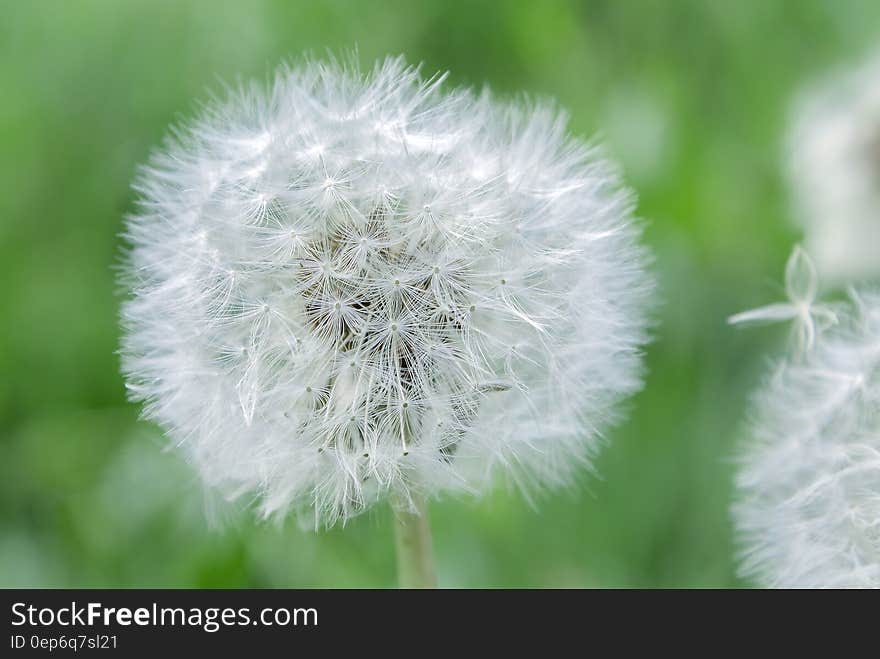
834,166
808,508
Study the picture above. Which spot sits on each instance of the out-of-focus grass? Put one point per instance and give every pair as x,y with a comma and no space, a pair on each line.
691,96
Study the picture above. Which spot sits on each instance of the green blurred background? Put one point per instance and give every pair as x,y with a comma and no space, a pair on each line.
691,96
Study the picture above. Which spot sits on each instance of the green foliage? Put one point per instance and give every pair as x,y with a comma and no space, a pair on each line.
691,96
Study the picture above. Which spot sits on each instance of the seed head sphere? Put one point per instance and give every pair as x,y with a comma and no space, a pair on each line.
350,286
808,505
834,170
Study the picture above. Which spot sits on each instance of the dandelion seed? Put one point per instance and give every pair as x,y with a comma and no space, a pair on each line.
801,287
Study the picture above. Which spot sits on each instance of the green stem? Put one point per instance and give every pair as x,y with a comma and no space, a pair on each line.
415,556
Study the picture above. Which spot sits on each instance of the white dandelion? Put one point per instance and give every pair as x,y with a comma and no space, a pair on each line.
808,509
350,287
834,167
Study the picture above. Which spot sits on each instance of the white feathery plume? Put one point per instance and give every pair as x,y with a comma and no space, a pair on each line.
834,167
801,286
808,508
350,285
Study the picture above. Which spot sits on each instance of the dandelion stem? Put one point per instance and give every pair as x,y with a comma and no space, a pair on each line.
415,555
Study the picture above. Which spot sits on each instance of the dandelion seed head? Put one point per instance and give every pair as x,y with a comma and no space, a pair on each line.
808,509
834,166
316,318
